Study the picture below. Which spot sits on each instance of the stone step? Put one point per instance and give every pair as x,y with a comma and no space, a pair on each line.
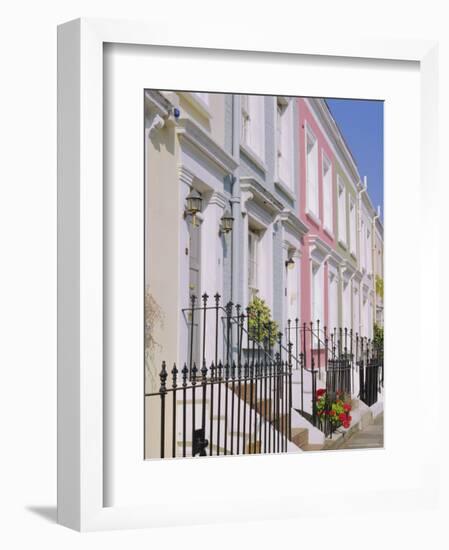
313,447
300,437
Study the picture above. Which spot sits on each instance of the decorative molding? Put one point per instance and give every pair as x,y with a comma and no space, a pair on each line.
321,251
264,198
260,215
185,175
157,123
348,271
191,133
218,198
245,197
156,102
295,225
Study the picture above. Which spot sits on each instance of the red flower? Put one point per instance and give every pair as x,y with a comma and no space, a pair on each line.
347,407
342,417
349,418
320,392
332,413
346,424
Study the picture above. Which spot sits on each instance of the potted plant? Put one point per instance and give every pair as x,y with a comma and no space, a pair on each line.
334,408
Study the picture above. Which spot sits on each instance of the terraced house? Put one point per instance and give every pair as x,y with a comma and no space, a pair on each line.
261,248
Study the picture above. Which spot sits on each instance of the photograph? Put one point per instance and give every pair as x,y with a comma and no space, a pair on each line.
263,288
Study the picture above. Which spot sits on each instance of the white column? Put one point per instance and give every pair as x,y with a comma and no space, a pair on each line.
265,266
186,181
245,197
212,265
211,245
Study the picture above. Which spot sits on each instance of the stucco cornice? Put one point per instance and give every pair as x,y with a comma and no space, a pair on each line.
264,198
348,270
218,198
155,101
296,226
191,133
321,251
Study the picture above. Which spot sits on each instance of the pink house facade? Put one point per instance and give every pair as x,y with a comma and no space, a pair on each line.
316,209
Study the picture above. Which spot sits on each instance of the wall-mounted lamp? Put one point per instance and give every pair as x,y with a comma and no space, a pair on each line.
227,222
290,263
194,204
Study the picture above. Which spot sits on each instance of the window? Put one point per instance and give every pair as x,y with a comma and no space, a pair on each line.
284,133
291,285
327,190
346,302
253,123
356,310
352,233
368,251
312,173
317,293
341,212
362,246
253,243
333,301
363,328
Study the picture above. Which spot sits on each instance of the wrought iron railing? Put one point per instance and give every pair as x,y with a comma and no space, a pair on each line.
245,394
224,409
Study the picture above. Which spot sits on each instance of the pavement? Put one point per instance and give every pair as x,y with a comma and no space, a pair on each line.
370,437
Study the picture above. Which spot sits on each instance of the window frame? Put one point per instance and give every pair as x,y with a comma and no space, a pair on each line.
253,247
327,190
342,219
352,226
252,134
317,274
315,214
284,164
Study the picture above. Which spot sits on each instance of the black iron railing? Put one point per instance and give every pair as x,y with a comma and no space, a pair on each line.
224,409
242,402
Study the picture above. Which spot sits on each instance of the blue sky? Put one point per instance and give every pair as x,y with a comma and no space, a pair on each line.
361,123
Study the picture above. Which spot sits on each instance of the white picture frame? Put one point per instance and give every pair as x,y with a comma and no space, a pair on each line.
81,475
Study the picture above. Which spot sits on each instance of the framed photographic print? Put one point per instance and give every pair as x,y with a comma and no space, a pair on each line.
264,300
227,270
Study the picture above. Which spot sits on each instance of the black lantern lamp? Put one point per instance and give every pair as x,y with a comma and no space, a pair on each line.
227,222
194,204
290,263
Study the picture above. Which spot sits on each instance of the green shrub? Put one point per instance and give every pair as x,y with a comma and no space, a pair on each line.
261,325
378,339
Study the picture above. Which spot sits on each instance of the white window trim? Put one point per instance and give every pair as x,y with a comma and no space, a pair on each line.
327,227
258,157
253,290
363,245
332,299
342,239
320,272
369,259
315,216
288,105
352,227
